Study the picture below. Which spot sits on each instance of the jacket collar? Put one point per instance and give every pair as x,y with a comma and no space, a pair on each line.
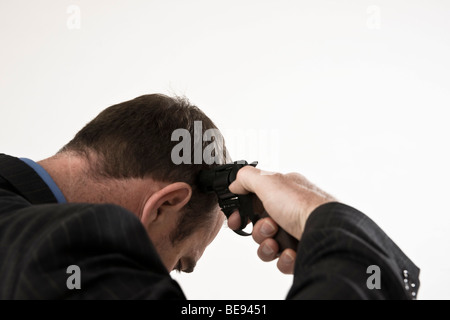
24,181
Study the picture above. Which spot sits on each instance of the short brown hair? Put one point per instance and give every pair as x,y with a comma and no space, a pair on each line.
133,140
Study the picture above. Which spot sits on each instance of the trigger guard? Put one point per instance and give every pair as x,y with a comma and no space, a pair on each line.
244,220
242,233
246,213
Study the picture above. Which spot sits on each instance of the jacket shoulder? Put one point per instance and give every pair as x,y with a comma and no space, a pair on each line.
105,241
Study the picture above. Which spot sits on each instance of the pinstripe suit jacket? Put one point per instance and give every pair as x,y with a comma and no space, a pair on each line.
39,239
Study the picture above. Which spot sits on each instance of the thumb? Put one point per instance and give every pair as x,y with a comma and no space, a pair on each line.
247,180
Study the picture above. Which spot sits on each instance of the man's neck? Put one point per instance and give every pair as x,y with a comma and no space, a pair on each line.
74,175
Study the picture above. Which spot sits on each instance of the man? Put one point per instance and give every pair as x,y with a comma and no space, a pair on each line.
113,205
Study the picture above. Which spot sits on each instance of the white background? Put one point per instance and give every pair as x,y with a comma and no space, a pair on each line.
353,94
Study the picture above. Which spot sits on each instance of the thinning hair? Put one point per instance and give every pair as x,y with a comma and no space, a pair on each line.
132,139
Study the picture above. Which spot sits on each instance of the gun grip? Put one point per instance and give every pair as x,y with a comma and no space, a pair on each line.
284,239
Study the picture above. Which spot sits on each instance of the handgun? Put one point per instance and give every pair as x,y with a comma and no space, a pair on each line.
218,179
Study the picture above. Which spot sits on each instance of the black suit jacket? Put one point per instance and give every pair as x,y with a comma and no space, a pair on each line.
40,239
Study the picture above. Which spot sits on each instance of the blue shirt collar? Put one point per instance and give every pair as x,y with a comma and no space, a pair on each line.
47,179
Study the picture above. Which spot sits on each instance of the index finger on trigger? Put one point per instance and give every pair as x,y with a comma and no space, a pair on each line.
234,221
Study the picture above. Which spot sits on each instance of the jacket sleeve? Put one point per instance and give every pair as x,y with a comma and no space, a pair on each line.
345,255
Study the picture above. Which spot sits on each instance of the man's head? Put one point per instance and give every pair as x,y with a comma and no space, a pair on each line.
123,156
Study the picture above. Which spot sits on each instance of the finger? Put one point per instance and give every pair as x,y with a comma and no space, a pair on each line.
266,186
283,199
263,229
268,250
286,261
234,221
245,180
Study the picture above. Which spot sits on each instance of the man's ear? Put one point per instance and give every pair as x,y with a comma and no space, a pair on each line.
170,199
